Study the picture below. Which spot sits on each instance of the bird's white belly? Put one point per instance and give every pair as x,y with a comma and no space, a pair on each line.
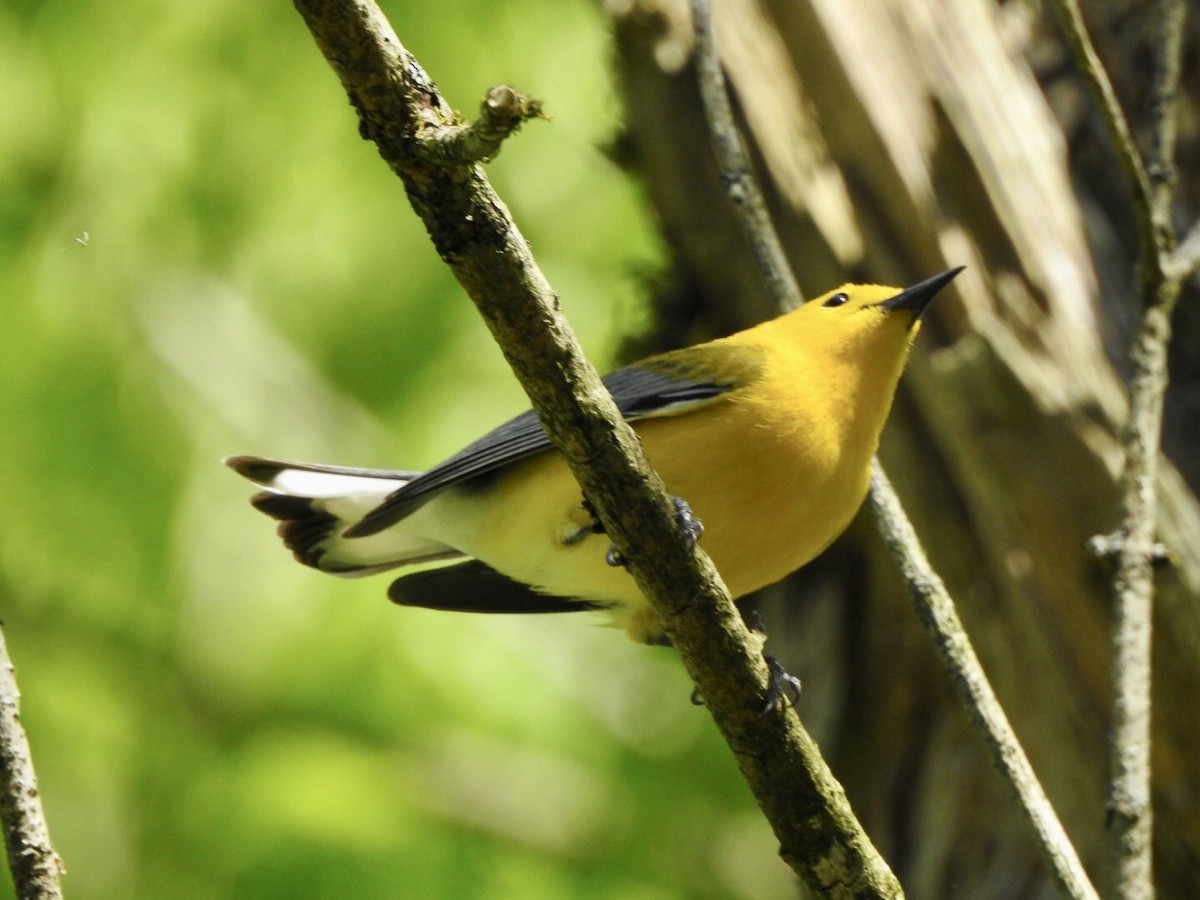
531,526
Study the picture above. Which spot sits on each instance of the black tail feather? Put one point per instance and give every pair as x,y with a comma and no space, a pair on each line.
474,587
302,526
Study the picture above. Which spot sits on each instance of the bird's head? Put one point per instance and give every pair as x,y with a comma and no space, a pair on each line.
866,324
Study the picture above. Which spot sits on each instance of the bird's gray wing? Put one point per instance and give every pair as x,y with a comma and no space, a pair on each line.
639,392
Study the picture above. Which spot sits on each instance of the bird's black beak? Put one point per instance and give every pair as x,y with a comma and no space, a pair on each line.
917,297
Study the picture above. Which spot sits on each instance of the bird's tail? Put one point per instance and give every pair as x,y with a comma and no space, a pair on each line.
316,504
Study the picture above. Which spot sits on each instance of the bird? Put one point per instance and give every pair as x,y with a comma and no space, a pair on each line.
765,437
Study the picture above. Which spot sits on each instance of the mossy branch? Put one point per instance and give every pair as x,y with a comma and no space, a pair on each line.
400,109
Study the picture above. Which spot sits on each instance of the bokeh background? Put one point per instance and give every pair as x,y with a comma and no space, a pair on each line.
199,256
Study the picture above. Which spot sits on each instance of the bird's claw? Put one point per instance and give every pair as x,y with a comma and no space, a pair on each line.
688,521
783,687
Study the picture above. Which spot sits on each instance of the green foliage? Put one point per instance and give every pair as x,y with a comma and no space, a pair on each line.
198,256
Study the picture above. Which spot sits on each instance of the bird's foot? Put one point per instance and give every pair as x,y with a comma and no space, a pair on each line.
783,688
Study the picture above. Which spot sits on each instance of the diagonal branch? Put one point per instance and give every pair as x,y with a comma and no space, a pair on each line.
398,108
936,610
737,176
1105,96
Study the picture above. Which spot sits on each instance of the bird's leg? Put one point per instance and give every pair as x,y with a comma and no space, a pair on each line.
782,686
688,522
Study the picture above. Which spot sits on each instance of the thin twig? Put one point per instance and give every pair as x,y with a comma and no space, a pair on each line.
34,865
934,606
1133,545
737,176
1130,813
1101,87
503,110
937,613
1130,801
1164,114
472,230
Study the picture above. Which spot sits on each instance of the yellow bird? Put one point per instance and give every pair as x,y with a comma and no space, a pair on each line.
766,434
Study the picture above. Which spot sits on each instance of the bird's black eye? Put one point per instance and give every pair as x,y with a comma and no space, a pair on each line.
836,300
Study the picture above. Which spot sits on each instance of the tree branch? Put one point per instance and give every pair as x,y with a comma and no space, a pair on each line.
737,176
398,106
1164,130
1098,82
937,613
34,865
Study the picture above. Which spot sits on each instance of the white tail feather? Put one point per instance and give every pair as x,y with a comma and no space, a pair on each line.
315,504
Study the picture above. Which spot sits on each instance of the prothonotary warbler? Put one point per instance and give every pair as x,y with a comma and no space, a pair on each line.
767,434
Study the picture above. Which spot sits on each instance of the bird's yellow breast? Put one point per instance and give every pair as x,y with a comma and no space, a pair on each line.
781,483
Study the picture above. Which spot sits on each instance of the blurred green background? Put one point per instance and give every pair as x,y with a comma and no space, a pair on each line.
199,256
